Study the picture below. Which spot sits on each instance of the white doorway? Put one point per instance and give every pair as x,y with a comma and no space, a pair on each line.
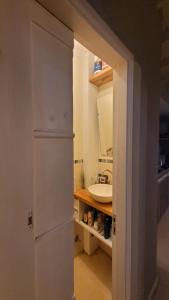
40,133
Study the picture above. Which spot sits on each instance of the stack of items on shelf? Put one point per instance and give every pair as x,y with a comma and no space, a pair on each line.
99,221
99,65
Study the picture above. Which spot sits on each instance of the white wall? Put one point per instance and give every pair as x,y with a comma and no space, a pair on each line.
105,117
86,126
105,162
91,130
86,141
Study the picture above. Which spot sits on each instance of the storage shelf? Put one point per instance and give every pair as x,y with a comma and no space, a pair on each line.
83,197
102,77
108,242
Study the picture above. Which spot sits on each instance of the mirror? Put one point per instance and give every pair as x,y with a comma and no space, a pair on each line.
105,118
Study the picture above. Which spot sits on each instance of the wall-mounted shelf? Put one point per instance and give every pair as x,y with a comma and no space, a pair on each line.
102,77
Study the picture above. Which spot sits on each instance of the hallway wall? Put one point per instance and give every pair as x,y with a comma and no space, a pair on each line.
16,186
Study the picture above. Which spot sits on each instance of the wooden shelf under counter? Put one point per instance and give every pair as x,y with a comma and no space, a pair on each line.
84,196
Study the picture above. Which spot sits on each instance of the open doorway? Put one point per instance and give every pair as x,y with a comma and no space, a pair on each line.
93,164
97,88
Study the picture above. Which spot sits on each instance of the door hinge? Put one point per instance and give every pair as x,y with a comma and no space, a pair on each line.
30,220
114,224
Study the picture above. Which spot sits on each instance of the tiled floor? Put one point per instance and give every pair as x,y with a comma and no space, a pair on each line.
162,292
93,276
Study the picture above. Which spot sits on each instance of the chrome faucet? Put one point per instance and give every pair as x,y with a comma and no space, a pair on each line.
107,171
102,178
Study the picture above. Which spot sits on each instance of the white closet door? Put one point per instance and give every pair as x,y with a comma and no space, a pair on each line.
51,66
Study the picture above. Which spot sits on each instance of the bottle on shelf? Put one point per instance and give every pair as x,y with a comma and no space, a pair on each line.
107,227
97,65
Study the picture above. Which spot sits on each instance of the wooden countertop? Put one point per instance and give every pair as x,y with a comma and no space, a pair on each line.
84,196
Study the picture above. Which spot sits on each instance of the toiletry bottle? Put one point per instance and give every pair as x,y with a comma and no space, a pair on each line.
100,220
107,227
96,227
97,65
90,218
85,217
95,214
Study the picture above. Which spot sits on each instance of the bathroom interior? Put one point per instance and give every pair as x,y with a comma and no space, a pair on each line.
93,162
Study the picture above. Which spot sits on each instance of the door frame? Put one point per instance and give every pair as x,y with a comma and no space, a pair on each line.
90,30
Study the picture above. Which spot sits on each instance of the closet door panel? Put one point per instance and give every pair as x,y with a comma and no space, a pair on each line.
51,81
53,264
53,183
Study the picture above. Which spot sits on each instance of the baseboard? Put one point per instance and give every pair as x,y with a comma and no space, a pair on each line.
154,287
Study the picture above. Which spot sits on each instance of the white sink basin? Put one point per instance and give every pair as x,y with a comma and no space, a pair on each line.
101,192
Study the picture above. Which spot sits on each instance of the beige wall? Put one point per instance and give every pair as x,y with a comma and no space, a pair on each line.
138,27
